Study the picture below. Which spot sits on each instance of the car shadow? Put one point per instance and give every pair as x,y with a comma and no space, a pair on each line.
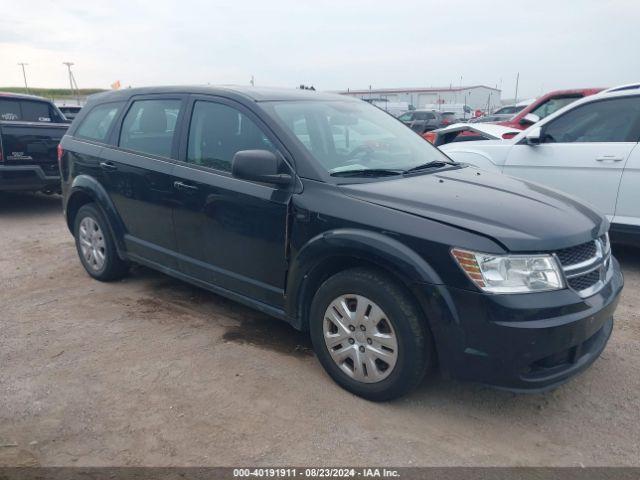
22,203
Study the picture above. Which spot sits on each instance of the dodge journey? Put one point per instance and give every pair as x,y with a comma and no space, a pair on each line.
328,213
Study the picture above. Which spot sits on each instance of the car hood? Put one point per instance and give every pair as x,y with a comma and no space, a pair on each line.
522,216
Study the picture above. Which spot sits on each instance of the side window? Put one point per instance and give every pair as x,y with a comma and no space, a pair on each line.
149,126
424,116
96,124
405,117
615,120
10,110
217,132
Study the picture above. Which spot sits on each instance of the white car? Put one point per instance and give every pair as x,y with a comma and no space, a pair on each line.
588,149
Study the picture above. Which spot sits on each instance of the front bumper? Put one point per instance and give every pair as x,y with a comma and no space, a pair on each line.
525,342
29,178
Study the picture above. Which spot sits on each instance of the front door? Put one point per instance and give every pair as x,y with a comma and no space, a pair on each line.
582,152
137,175
230,232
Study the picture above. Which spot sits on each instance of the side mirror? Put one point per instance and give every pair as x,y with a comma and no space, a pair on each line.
533,136
260,166
529,119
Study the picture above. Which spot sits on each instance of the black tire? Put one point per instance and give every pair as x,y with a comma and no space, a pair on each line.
415,345
113,267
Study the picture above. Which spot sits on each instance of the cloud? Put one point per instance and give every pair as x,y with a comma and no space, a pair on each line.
331,44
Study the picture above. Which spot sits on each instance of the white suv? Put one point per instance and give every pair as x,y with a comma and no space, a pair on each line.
588,149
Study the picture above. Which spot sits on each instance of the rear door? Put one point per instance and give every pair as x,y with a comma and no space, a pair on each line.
583,152
230,232
136,172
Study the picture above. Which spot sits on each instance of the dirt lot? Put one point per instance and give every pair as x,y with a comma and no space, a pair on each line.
151,371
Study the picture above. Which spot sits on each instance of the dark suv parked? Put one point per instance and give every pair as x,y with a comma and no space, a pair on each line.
330,214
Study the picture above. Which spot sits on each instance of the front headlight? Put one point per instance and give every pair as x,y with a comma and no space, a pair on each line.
510,273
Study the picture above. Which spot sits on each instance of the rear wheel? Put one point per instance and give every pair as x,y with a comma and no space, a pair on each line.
369,335
95,245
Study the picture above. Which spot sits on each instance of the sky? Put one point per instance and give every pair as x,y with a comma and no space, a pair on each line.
330,44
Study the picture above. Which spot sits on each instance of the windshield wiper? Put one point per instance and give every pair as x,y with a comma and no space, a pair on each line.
367,172
432,164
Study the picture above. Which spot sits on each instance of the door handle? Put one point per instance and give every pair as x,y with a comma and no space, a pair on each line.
184,186
609,158
108,166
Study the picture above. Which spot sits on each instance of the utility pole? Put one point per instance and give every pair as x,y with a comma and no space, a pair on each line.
252,81
24,75
515,100
72,81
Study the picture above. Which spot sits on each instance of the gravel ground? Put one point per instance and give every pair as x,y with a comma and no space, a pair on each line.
152,371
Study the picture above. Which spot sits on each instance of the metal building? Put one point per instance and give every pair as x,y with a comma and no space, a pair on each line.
478,97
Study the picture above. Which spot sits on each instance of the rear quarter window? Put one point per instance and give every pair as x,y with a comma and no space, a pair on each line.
10,110
96,125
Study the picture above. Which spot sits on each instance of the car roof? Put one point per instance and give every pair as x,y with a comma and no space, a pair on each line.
257,94
573,91
22,96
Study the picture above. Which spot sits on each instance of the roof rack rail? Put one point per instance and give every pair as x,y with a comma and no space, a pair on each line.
621,88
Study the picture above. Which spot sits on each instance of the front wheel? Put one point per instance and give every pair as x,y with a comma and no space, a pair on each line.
369,334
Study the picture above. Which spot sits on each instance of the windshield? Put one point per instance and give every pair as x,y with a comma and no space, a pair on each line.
552,105
348,136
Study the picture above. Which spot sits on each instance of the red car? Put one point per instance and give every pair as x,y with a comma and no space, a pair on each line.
546,105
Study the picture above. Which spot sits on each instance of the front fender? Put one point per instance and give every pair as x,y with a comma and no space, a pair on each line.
84,186
373,247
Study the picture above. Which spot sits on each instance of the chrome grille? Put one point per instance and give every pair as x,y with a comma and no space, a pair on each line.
573,255
584,281
587,266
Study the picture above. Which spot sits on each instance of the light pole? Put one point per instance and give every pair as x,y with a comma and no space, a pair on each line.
24,75
72,81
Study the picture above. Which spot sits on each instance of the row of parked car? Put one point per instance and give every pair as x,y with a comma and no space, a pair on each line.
582,142
328,213
519,116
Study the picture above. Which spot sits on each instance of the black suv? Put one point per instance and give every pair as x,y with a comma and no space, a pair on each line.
328,213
